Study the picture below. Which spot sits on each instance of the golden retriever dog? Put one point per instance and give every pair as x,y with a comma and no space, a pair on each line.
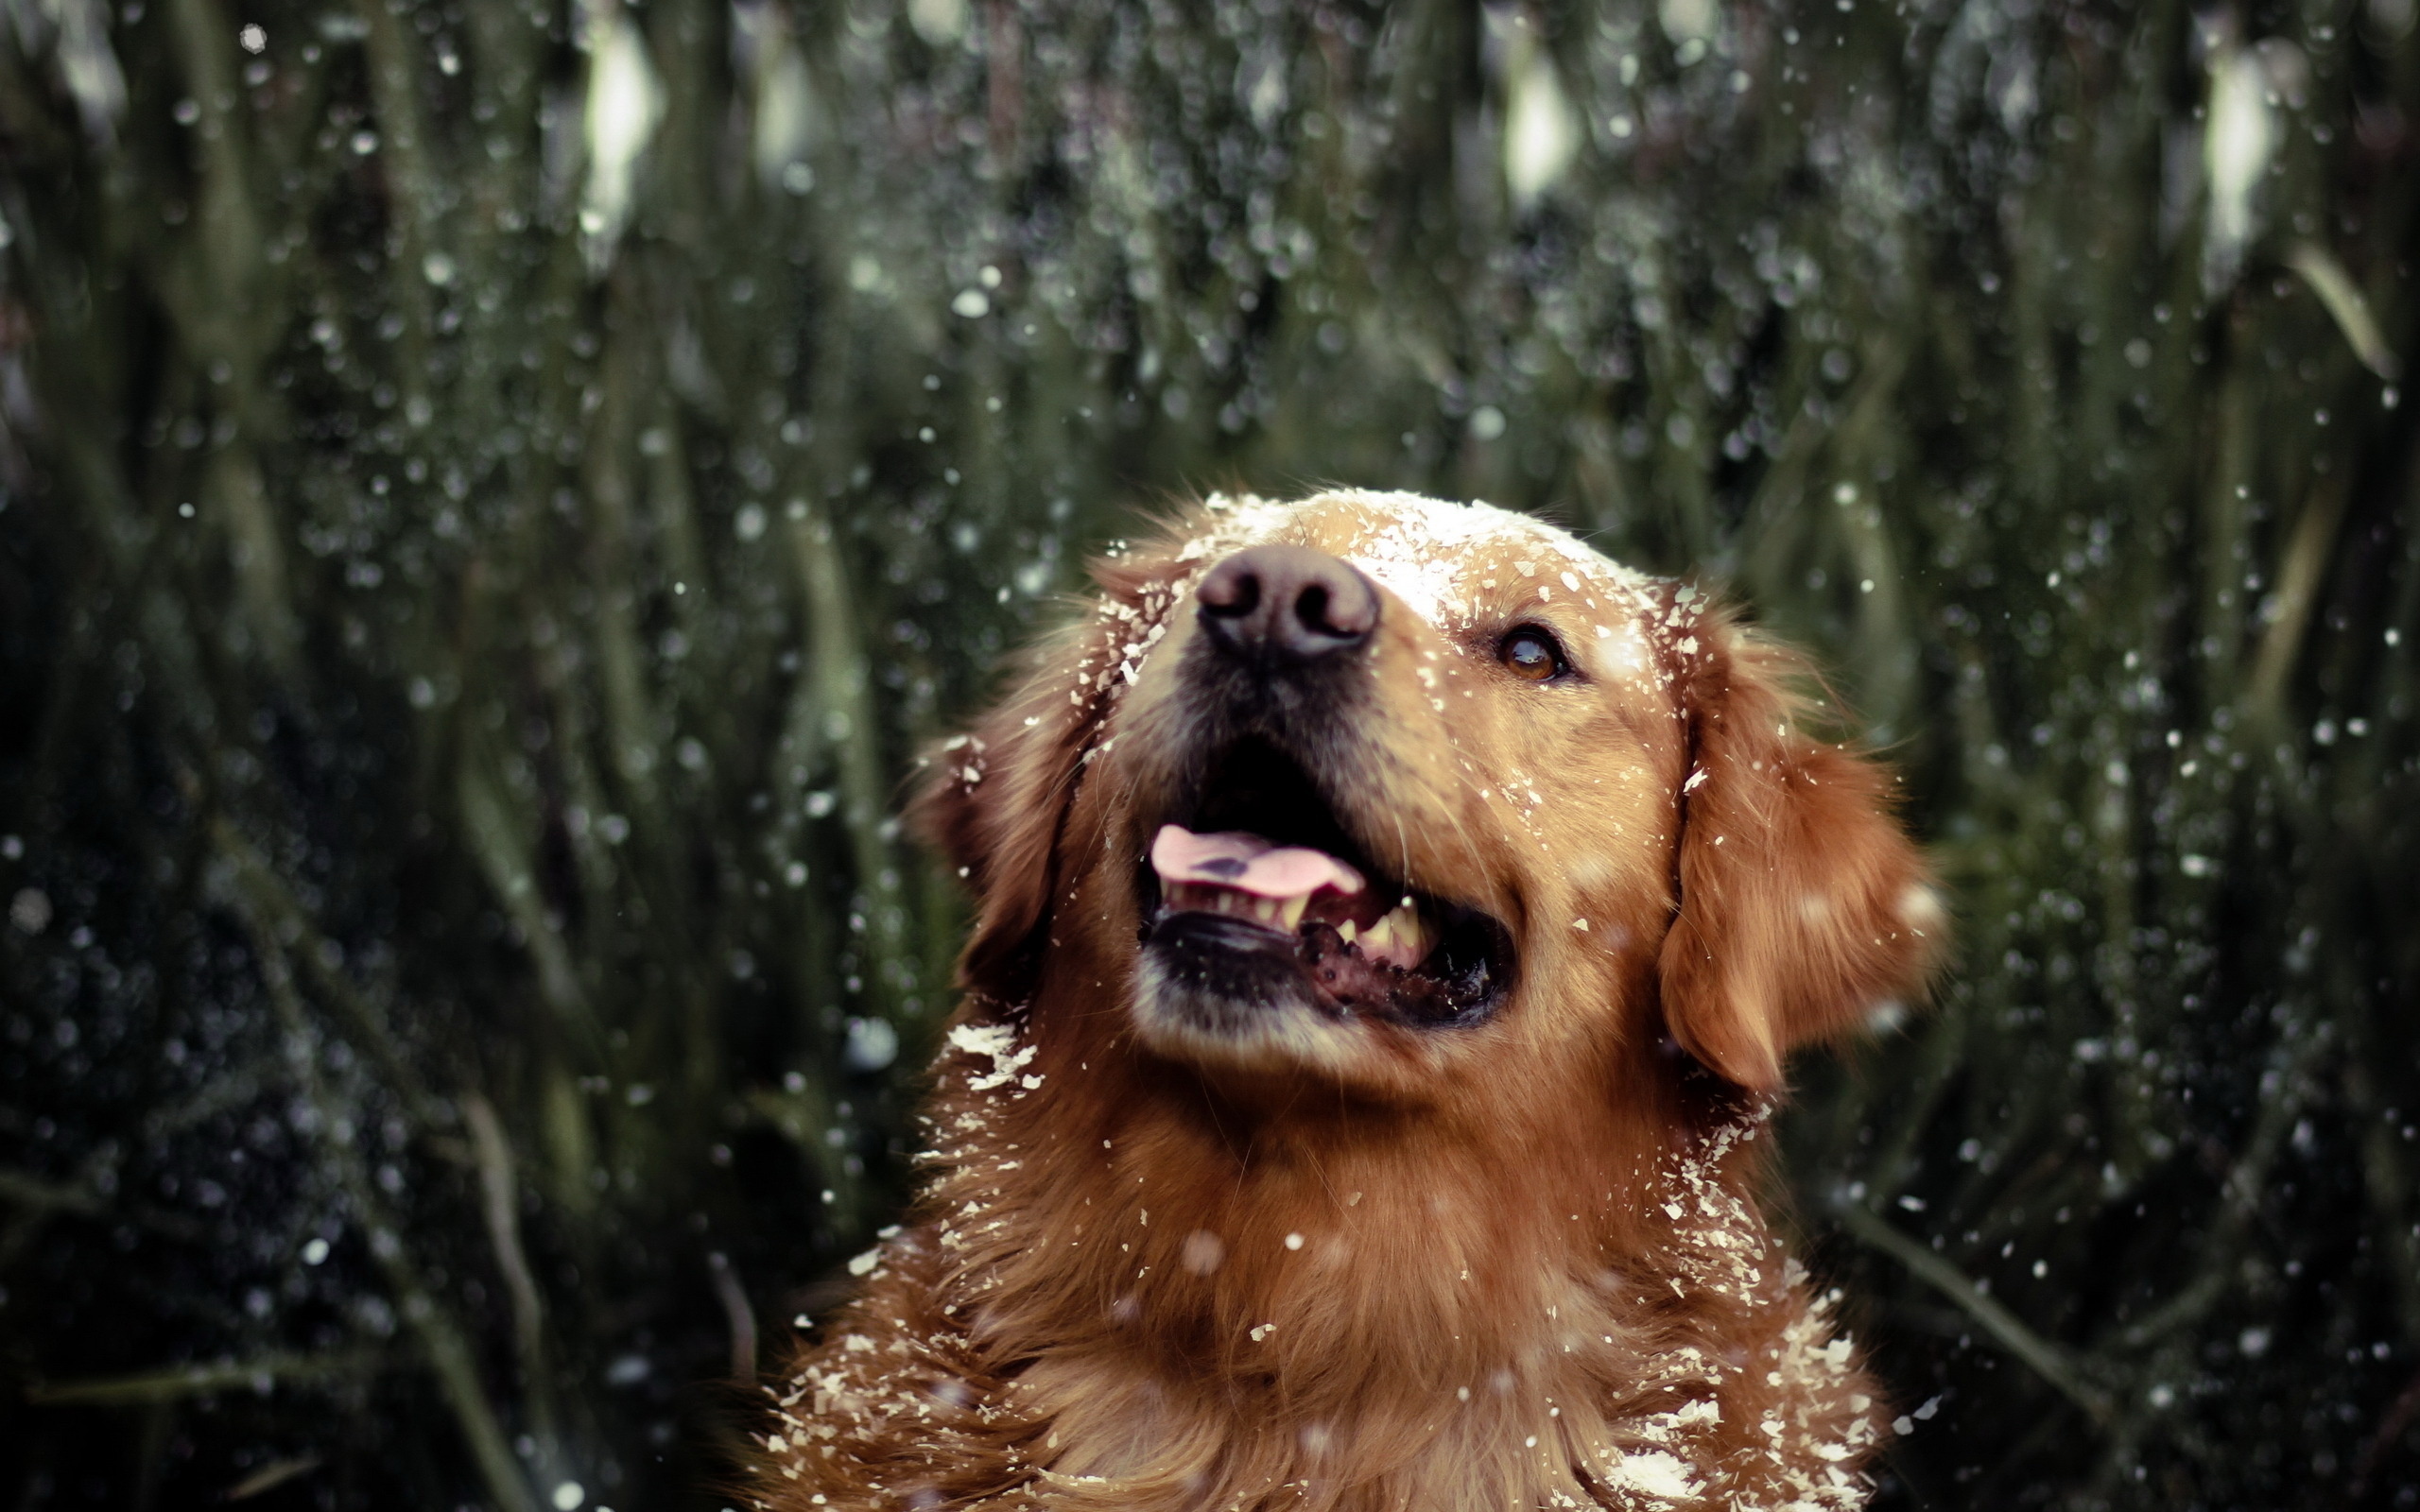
1393,920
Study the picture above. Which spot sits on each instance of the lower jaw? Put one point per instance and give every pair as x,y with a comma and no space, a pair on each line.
1278,1022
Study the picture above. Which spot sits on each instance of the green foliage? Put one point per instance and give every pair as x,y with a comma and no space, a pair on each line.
492,496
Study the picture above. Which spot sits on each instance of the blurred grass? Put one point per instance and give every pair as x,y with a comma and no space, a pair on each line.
465,626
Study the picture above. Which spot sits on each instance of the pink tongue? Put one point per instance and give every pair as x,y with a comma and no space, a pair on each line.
1248,864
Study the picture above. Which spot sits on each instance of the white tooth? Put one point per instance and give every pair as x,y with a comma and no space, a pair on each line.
1265,909
1401,937
1290,911
1349,931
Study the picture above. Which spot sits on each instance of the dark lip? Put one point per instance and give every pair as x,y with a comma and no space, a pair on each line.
1253,785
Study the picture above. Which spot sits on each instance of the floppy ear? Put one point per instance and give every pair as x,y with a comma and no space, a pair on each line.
1805,909
993,802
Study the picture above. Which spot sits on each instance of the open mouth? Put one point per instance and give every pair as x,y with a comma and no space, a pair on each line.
1263,894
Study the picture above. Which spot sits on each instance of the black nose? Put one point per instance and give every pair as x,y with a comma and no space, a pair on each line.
1272,603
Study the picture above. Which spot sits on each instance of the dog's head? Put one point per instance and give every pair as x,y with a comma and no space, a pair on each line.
1373,792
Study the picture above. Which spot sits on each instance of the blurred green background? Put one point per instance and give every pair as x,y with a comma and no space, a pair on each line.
492,494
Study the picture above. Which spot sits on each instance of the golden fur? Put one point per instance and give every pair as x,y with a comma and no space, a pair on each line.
1355,1264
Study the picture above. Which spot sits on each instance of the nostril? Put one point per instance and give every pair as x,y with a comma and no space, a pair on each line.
1311,609
1229,593
1344,605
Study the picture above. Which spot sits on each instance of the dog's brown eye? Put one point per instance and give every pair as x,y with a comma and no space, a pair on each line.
1531,654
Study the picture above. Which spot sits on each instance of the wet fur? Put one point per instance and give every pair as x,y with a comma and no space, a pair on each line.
1531,1271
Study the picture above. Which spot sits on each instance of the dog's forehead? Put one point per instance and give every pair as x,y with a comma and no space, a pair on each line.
1441,557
